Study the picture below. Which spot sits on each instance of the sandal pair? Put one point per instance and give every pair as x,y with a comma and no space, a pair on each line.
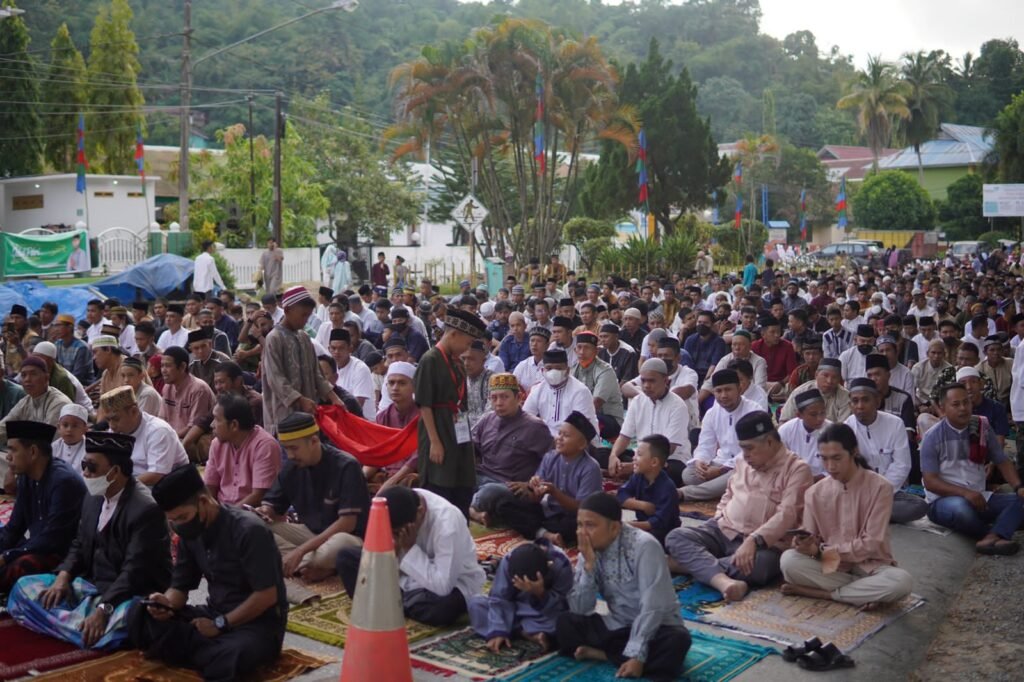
815,656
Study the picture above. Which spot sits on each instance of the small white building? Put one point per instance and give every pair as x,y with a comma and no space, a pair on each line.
51,200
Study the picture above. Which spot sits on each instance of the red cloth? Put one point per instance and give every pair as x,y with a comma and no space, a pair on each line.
372,444
23,651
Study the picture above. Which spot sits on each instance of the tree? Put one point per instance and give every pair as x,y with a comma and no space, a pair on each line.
893,200
927,97
589,236
20,146
114,97
683,164
733,111
1008,150
64,98
960,215
878,97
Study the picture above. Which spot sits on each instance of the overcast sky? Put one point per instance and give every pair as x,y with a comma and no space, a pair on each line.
892,27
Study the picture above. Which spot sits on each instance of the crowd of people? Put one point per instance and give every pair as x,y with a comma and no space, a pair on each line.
816,408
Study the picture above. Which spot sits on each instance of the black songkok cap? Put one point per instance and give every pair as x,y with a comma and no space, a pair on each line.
563,322
556,356
327,292
866,330
876,361
586,337
610,328
340,335
178,487
724,377
31,432
201,334
808,398
862,384
578,421
754,425
669,342
402,505
541,331
604,505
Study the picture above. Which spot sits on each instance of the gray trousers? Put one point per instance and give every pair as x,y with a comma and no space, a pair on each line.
696,489
907,507
858,587
704,552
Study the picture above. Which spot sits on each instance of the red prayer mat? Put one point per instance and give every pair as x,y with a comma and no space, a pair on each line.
6,509
23,651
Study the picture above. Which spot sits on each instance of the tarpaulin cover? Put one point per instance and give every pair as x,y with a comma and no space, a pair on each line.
370,443
33,293
156,276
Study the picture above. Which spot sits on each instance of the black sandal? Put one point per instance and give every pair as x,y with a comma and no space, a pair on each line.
1000,548
791,653
829,657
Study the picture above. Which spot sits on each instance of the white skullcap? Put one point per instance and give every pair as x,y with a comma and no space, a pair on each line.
487,309
74,410
46,349
404,369
965,372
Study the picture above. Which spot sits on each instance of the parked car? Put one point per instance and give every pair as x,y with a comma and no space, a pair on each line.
859,253
960,249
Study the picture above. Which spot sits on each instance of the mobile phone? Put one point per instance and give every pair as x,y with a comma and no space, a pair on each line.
156,604
798,532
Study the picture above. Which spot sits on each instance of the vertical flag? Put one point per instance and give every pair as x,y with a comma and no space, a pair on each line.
739,210
140,158
737,174
803,215
538,129
641,170
841,204
80,162
714,207
764,204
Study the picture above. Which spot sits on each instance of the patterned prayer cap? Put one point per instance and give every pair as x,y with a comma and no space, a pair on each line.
464,322
294,296
117,399
504,381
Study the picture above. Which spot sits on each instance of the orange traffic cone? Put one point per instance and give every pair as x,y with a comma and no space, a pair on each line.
377,645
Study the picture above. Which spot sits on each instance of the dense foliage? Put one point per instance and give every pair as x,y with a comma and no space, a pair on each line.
892,200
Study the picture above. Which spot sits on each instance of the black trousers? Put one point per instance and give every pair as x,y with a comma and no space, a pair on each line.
420,605
666,652
460,497
527,517
674,469
229,656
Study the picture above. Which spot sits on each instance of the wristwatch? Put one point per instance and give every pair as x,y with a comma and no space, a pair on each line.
106,609
221,623
759,541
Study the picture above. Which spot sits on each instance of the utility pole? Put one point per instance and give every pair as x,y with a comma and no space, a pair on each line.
186,103
252,175
472,231
279,129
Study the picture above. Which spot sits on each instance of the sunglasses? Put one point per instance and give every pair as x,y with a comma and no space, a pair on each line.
89,466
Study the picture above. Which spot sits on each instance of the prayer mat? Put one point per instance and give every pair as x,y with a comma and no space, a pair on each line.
465,653
695,599
699,510
6,509
323,588
611,485
327,621
131,666
23,651
771,615
710,659
497,543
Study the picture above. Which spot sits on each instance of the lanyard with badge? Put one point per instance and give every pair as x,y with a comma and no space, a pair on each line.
460,418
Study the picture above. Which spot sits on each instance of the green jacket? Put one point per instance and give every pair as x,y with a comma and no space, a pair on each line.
61,380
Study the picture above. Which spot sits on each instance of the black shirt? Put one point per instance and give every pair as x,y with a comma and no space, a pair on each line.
320,494
238,556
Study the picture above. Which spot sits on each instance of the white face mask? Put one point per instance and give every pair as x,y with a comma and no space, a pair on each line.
97,485
554,377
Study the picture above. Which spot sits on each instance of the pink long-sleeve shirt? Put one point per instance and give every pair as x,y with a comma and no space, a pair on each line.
852,518
767,502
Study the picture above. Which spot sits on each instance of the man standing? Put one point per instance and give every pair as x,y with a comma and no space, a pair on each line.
380,271
241,627
741,546
292,381
642,633
46,507
446,462
122,552
206,275
272,265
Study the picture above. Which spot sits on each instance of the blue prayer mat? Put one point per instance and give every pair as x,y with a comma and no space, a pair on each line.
694,597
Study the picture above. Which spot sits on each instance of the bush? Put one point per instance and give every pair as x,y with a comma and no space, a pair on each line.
893,200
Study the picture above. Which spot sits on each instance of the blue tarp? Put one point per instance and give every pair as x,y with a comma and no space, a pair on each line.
154,277
33,293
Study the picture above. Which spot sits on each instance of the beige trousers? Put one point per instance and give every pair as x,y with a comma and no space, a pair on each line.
290,535
858,587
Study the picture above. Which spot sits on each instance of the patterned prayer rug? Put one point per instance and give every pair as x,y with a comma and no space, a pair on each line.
710,659
6,509
23,651
695,599
497,543
323,589
327,621
465,653
700,510
130,666
771,615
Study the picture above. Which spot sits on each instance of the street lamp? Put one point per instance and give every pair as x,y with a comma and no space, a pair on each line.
186,88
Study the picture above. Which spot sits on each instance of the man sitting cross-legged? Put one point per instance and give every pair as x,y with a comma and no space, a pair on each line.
122,552
845,555
437,566
547,503
642,632
740,547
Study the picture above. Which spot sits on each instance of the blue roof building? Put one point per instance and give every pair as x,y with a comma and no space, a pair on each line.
956,151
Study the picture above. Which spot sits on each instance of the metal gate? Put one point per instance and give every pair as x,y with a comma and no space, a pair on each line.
120,248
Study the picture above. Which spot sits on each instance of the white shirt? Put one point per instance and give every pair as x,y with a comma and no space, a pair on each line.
667,417
323,334
1017,387
927,311
169,338
854,364
554,405
901,378
494,363
444,556
803,443
756,395
718,443
81,397
885,446
205,274
529,372
355,378
127,340
922,345
72,454
108,509
95,330
851,325
157,447
682,376
756,361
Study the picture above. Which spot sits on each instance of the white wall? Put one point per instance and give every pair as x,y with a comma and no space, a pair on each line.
62,204
300,265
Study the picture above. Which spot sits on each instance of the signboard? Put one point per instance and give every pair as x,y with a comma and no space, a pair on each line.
470,214
49,254
1002,201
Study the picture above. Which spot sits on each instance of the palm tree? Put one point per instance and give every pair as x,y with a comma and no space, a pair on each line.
879,97
927,97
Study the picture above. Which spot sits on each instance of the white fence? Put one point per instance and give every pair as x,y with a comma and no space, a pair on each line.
300,265
120,248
